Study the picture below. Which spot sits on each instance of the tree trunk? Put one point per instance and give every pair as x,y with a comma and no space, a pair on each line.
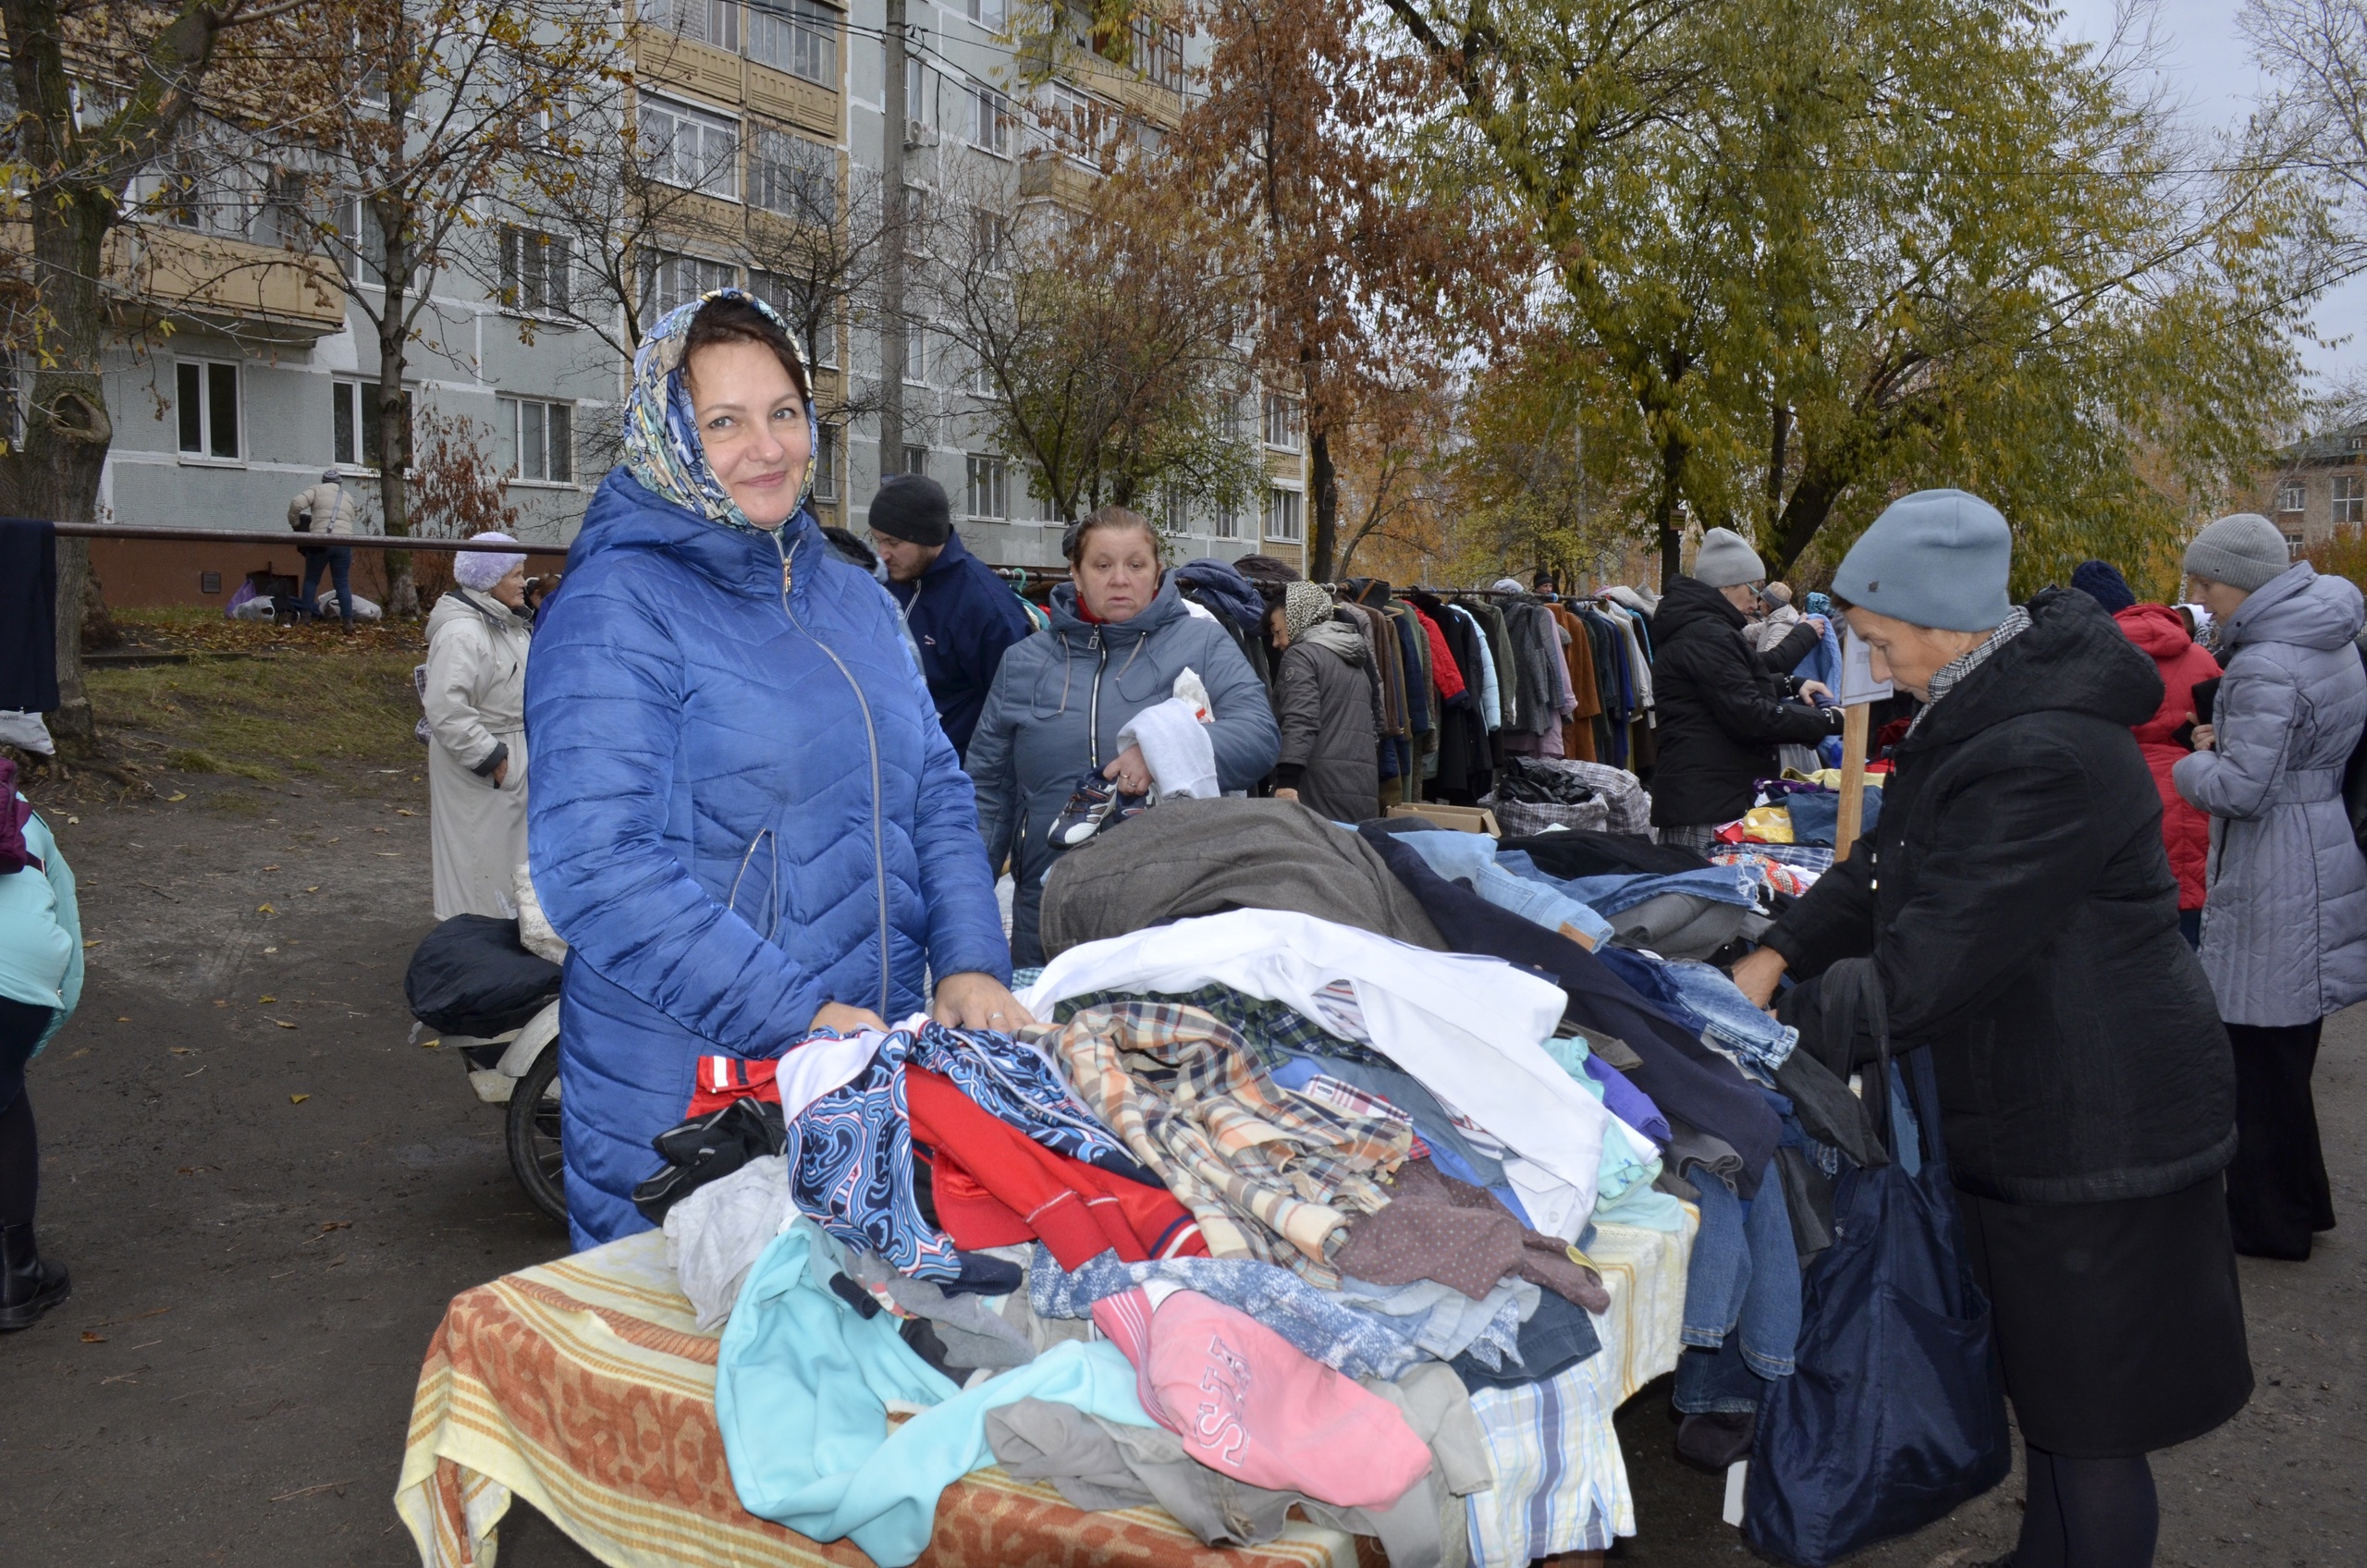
1326,479
394,422
1665,513
56,475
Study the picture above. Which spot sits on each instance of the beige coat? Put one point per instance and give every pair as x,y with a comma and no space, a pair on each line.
331,505
475,698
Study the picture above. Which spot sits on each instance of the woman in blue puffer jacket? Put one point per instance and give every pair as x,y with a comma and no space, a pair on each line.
746,822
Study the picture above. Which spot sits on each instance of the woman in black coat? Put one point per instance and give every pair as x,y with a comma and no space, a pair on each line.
1723,706
2022,920
1326,706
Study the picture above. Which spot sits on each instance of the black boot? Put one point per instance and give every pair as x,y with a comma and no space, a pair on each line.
29,1287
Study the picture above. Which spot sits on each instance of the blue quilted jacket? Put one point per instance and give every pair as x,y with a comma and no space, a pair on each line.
743,807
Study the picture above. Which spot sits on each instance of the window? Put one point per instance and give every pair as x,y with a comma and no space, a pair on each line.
1158,52
354,425
785,294
988,14
989,486
2290,496
543,439
2350,499
1227,523
362,243
916,459
1282,421
1282,514
1176,511
702,22
789,174
669,279
208,406
533,271
990,120
916,355
1078,123
826,464
2292,545
691,148
796,36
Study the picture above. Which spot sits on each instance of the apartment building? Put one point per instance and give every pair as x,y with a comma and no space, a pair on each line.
252,371
2319,486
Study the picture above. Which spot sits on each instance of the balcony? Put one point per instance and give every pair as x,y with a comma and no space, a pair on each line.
156,274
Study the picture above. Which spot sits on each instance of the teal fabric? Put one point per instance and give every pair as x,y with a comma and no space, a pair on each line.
1623,1190
40,933
802,1388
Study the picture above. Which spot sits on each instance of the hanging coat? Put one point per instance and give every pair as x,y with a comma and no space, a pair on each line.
477,715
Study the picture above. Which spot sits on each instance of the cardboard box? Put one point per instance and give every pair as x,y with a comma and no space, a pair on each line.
1467,819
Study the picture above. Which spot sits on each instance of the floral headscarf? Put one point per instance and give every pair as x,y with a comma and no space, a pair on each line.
662,446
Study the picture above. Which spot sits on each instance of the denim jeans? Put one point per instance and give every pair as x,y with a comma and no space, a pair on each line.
1471,857
1729,1019
1721,884
1743,1285
339,558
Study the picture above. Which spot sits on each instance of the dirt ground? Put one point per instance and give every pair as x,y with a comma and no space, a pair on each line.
267,1194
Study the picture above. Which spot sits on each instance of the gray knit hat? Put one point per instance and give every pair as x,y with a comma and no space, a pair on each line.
2242,551
1726,560
1937,559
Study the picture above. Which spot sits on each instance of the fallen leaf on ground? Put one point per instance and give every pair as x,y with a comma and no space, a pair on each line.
271,949
312,890
298,1100
283,1023
91,1338
183,1050
123,1021
401,812
92,942
429,1045
266,909
271,868
328,1225
266,999
178,795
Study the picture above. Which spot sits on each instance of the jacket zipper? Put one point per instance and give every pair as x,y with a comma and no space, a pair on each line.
871,737
1093,705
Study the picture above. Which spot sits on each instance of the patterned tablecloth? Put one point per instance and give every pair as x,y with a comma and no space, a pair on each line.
583,1387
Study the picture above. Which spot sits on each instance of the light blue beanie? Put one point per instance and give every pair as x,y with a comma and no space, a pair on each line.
1937,559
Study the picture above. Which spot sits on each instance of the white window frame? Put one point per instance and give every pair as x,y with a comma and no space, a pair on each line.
552,424
1175,511
715,23
661,120
792,175
348,447
654,266
916,460
915,355
1226,521
1285,520
990,120
2293,546
795,36
1281,426
2292,495
206,453
988,14
987,498
2348,500
533,262
828,451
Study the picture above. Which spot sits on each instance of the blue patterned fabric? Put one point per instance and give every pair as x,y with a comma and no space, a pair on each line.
1357,1343
851,1152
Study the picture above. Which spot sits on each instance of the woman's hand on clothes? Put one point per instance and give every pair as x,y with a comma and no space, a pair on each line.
500,772
848,1020
1131,773
979,1001
2205,736
1756,976
1812,690
1286,794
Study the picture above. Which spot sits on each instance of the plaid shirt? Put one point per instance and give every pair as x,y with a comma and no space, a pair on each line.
1269,1174
1260,1023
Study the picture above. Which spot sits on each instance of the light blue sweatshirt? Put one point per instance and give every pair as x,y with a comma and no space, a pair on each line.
40,933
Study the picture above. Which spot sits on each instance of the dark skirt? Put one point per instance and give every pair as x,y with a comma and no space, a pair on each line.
2120,1324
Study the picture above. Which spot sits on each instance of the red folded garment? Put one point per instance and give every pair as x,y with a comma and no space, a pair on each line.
995,1186
723,1079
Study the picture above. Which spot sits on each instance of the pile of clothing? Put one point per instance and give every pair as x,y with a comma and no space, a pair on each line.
1276,1186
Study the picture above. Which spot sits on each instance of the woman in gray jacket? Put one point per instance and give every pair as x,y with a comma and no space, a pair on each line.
1324,699
1119,638
2285,916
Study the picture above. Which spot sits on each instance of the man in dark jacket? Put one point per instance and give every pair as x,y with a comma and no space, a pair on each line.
2016,908
1723,705
961,615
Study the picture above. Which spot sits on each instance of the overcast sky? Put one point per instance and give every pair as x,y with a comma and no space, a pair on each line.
2207,64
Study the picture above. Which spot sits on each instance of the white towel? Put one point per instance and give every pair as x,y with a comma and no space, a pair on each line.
1175,745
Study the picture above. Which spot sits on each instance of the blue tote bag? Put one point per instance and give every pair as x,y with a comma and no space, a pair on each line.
1896,1413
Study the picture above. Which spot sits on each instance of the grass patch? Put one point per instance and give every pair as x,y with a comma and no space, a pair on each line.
254,718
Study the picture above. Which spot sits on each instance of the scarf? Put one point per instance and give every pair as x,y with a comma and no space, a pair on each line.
662,446
2016,621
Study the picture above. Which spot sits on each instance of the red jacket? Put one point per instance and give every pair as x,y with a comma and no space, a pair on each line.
2186,832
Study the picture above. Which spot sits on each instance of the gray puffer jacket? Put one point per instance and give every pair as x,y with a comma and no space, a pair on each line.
1054,712
1324,699
2285,917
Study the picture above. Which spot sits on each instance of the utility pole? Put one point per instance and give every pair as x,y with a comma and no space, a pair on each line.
895,113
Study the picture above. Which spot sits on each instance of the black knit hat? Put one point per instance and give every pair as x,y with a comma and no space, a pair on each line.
912,507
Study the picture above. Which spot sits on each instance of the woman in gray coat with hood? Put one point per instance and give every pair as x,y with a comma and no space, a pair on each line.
1325,701
1119,636
2285,916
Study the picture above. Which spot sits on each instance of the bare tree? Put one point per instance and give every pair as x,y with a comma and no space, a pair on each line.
433,108
2316,52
